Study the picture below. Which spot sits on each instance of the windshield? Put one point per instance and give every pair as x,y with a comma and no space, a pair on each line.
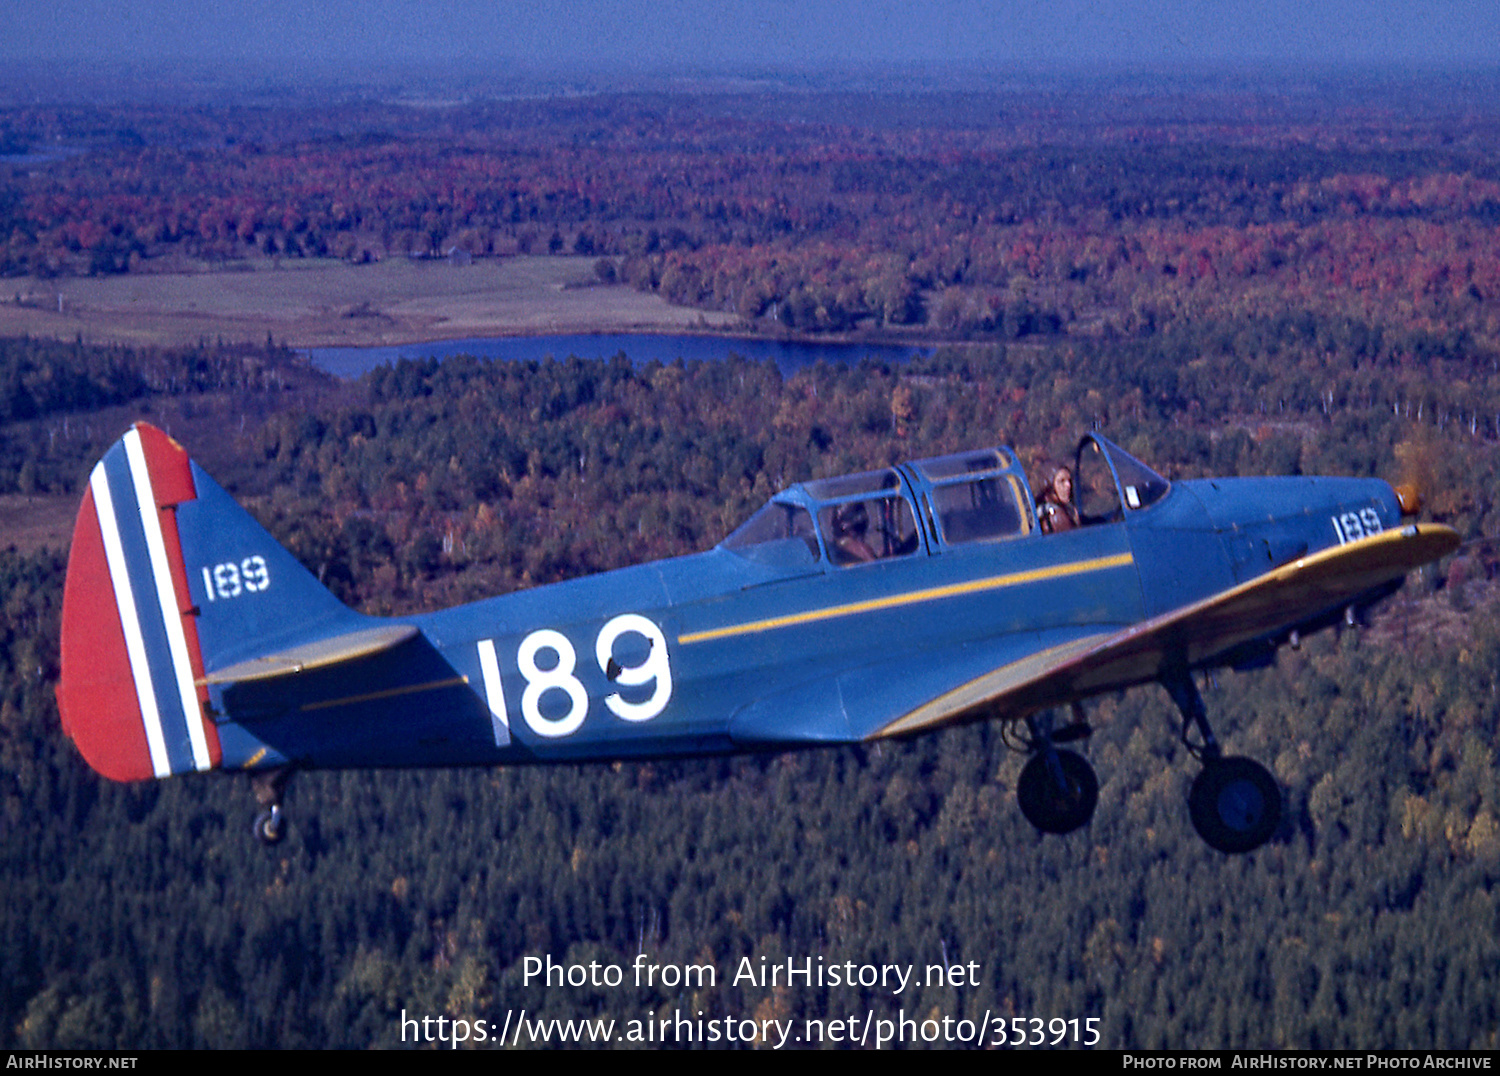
781,533
1108,476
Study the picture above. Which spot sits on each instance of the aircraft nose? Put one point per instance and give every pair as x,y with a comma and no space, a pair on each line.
1410,499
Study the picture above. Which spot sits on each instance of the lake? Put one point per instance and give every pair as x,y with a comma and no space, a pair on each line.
351,362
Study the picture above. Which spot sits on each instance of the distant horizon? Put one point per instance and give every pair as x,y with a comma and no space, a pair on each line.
60,79
749,67
633,36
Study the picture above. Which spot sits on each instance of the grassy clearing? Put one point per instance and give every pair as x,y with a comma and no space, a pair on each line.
330,303
29,523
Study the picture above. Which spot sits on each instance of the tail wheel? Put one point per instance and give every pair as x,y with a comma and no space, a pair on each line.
270,828
1058,799
1235,805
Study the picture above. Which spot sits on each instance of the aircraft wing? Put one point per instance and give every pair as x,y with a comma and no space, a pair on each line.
1282,598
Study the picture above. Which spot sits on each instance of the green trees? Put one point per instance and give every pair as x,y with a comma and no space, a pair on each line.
145,916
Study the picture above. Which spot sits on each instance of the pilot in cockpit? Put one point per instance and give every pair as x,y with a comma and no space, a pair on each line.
1055,510
851,522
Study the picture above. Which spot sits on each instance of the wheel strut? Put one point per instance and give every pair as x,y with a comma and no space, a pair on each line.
1194,715
1234,803
269,786
1058,790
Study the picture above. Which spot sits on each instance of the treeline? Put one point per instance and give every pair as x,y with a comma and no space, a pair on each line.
1018,216
41,377
60,402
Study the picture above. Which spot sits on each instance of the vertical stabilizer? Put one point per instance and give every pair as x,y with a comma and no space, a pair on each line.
169,580
130,695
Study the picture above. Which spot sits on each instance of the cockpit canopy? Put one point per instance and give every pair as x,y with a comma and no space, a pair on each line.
929,506
975,496
1107,475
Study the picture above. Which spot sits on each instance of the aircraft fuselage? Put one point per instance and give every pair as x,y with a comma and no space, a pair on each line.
715,652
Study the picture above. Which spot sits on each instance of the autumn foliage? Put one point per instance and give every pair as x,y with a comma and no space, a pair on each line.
1225,279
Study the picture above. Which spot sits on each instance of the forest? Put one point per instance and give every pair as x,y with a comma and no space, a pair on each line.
1074,206
1329,309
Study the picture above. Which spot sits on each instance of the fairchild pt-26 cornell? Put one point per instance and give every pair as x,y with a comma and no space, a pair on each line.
847,610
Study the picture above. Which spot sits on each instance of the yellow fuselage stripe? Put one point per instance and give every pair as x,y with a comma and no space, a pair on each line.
896,601
389,693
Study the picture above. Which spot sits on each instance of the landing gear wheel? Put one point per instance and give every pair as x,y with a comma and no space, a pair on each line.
1235,805
269,827
1053,805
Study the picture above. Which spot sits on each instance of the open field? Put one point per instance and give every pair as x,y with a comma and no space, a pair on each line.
331,303
32,522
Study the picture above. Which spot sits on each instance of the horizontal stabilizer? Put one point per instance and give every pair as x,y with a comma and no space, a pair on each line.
314,655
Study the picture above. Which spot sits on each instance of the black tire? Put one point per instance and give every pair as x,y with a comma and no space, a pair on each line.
269,827
1052,808
1235,805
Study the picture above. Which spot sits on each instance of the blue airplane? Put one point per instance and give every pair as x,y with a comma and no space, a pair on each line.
846,610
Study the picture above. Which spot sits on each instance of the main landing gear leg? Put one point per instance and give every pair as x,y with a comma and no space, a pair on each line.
1234,802
1058,790
269,785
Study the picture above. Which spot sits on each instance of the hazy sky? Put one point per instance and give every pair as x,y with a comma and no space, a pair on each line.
740,33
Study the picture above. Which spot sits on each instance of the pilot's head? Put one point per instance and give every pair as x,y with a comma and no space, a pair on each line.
851,519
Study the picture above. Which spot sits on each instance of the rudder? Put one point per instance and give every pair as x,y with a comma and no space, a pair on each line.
169,579
129,692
